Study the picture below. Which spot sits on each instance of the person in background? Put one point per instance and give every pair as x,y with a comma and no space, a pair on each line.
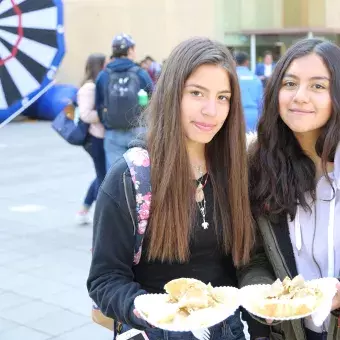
264,70
251,90
154,68
117,89
144,65
95,142
294,168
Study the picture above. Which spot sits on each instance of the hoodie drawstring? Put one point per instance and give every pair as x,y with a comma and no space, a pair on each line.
298,233
330,229
331,219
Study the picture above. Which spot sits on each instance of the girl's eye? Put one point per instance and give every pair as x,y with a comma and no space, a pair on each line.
318,86
288,84
224,98
196,93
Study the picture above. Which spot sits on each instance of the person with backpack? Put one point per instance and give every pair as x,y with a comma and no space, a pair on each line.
117,101
176,205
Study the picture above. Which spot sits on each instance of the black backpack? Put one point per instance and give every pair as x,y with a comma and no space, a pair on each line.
121,109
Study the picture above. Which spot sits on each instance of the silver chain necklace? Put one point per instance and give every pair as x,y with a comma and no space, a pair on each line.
200,198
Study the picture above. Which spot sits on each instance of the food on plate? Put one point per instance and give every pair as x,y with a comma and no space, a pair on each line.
189,301
190,294
163,313
177,288
289,298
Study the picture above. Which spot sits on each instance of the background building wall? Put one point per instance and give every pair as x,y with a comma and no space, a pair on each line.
156,26
317,13
253,14
276,24
295,13
267,15
332,13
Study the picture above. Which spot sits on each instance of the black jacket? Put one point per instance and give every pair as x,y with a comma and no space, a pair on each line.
114,290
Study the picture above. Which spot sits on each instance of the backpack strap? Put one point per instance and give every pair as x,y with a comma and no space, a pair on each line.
138,162
106,89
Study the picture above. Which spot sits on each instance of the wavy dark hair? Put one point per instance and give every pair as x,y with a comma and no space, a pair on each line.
173,205
280,172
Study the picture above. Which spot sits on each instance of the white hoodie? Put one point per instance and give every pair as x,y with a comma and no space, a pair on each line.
315,235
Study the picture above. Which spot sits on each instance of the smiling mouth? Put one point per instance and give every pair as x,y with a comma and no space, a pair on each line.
301,112
204,127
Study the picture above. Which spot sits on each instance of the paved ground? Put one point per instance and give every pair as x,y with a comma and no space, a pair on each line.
44,256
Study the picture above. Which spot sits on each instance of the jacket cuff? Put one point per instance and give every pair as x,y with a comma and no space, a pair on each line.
136,322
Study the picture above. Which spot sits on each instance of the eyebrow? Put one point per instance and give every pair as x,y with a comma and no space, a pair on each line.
205,89
289,75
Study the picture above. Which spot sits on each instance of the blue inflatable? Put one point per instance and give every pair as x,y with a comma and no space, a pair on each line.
4,115
52,102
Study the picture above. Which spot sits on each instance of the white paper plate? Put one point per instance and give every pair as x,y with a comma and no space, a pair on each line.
152,303
250,296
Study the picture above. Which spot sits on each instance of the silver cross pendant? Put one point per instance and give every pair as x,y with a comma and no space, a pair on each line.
205,225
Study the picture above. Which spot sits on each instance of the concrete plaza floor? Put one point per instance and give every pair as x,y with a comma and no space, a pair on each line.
44,255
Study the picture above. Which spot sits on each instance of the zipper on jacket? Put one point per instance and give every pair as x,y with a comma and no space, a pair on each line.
284,265
279,251
128,204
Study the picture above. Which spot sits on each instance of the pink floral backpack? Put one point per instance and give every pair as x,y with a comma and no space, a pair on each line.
138,162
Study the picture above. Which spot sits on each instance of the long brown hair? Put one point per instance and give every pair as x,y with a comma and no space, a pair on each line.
94,64
173,206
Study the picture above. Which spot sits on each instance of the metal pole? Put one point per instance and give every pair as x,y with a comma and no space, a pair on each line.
26,104
310,35
253,52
